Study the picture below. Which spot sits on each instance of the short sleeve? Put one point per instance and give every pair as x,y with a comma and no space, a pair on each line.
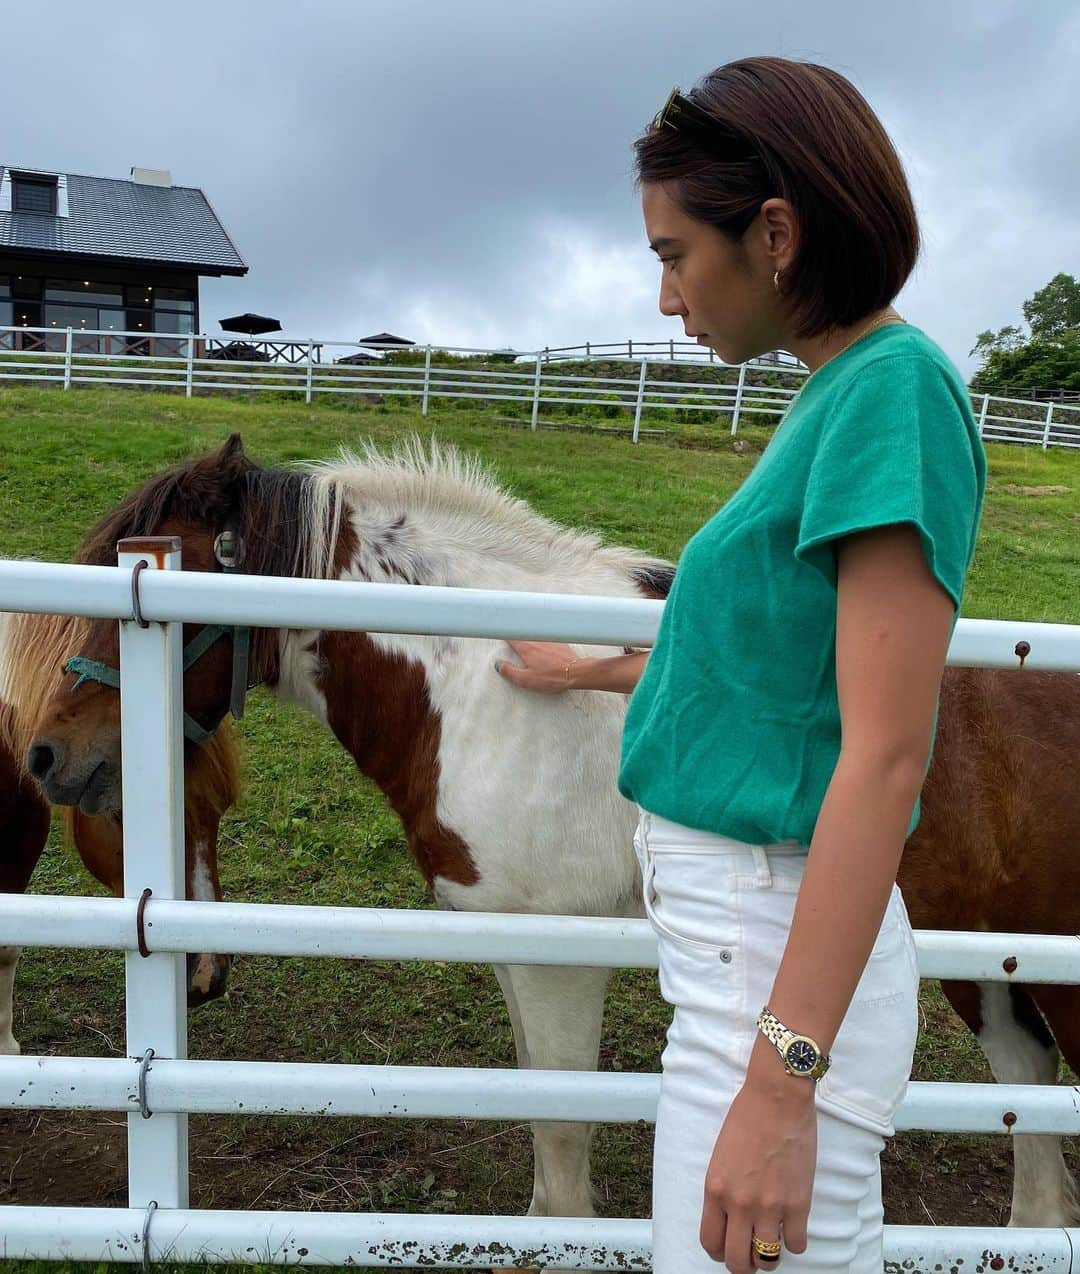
900,445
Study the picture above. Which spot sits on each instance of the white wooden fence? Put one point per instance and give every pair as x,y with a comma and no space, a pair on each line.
761,388
158,1087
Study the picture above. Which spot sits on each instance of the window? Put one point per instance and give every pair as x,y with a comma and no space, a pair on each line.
83,292
166,322
5,286
33,194
76,316
182,299
7,314
27,314
28,286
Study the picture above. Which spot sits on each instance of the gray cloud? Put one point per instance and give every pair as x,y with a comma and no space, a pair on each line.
462,173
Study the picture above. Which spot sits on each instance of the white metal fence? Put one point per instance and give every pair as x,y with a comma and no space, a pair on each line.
158,1087
760,389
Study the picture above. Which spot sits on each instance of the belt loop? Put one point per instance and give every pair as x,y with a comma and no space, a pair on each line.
646,827
761,864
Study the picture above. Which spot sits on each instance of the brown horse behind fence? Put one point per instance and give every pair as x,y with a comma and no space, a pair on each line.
33,649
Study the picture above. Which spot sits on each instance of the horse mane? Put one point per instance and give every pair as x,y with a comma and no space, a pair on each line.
471,508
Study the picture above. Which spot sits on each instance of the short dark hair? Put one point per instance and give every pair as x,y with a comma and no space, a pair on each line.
822,148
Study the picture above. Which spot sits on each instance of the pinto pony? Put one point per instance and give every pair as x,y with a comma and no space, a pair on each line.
508,800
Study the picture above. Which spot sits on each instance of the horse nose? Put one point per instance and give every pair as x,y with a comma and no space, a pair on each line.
44,757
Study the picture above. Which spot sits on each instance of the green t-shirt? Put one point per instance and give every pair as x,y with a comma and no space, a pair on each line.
734,726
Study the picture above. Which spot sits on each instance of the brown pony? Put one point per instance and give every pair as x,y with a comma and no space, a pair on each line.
33,649
509,801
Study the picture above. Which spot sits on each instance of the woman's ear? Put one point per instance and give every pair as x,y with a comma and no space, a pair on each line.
779,231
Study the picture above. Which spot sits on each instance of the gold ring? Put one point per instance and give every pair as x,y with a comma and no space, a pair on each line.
764,1249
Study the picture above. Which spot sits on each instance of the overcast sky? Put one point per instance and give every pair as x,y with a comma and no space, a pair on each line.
461,173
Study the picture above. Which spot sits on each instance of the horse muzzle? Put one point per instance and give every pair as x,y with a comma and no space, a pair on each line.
207,978
91,780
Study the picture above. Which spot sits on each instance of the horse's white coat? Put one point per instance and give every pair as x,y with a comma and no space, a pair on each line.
9,958
1044,1192
202,887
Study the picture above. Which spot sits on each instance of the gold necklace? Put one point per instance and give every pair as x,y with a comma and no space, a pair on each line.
881,319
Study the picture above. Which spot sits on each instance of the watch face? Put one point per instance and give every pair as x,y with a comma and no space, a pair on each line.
801,1056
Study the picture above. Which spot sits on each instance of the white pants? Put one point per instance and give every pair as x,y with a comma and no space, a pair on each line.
722,912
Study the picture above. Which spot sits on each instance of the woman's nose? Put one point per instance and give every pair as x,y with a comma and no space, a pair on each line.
671,304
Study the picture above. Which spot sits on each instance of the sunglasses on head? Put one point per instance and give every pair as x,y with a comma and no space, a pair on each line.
680,113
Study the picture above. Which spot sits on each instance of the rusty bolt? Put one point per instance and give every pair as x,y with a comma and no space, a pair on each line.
1022,649
1008,1119
1009,964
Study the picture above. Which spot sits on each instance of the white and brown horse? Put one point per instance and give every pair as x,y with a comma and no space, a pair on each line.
508,800
33,650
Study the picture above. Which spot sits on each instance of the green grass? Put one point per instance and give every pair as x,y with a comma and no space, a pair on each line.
310,831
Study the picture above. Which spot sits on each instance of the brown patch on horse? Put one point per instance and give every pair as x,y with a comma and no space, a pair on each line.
386,721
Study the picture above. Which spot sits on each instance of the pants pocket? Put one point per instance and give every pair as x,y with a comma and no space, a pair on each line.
872,1053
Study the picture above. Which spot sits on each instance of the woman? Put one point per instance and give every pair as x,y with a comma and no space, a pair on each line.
781,727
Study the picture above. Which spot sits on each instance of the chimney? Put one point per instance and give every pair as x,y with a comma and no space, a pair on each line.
151,176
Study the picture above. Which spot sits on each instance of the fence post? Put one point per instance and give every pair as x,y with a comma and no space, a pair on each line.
629,349
982,414
190,372
640,398
1046,426
67,361
307,379
536,392
152,757
671,350
738,398
427,381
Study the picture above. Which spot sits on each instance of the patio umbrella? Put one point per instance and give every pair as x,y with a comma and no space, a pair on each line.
249,324
385,338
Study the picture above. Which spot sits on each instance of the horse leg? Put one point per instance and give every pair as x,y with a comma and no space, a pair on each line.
557,1014
1020,1050
24,828
1060,1005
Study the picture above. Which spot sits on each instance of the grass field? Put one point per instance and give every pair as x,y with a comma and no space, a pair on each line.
310,830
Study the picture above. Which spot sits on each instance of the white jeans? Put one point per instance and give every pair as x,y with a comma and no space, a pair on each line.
722,911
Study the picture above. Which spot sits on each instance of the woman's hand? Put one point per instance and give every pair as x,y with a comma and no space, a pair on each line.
761,1176
545,669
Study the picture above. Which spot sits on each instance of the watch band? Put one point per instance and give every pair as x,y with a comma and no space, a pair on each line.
782,1037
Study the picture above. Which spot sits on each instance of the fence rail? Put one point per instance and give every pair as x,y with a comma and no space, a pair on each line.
750,391
158,1224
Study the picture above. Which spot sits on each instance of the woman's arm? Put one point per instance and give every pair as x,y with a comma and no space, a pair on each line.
550,667
893,625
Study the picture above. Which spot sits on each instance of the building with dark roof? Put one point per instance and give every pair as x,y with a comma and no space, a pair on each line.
94,253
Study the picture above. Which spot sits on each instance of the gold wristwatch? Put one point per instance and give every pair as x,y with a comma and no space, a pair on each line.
799,1053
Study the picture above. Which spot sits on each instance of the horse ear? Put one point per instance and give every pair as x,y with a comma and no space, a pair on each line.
230,462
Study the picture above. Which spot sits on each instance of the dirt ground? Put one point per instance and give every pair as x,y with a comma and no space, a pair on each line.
69,1158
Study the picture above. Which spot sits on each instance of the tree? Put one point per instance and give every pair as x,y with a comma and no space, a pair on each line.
1055,308
1049,358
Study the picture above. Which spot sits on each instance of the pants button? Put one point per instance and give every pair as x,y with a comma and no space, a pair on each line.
725,955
